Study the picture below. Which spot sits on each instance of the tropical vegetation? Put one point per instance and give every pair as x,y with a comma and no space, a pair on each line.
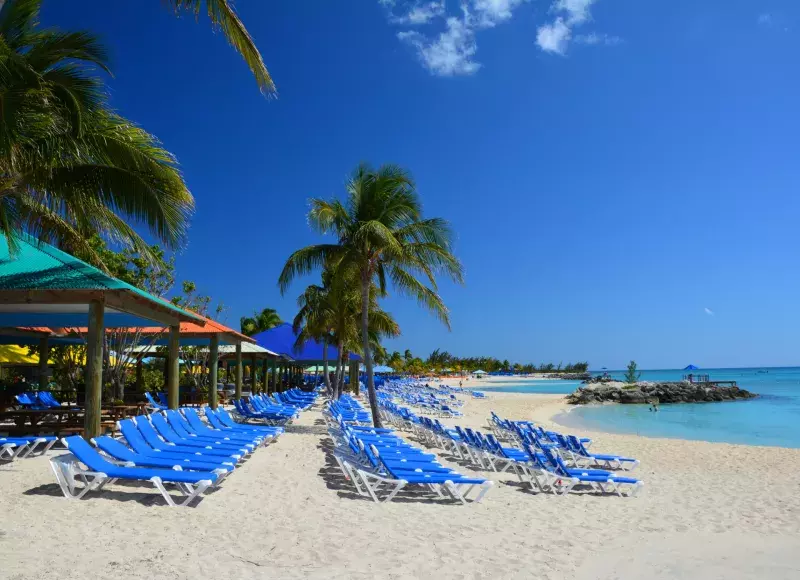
381,238
441,360
330,314
260,321
71,167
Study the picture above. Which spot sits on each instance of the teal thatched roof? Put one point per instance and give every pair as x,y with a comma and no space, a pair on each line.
51,288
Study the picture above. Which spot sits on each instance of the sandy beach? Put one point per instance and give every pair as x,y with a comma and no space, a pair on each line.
707,511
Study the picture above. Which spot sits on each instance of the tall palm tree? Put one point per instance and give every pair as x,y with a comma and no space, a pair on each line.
381,236
69,166
260,321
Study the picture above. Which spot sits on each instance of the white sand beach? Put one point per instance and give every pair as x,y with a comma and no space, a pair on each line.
708,511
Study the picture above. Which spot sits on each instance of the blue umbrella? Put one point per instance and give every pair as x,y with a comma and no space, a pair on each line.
691,368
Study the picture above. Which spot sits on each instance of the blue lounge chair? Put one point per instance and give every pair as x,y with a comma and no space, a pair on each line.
153,404
171,436
193,418
28,446
137,442
579,452
184,428
119,452
225,420
98,472
154,440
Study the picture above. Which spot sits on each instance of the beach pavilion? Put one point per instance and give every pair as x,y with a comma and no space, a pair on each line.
258,356
281,340
220,340
43,288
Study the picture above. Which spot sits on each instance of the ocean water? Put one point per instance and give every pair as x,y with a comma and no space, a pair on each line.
773,419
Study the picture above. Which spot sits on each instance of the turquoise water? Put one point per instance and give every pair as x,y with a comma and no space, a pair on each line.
772,419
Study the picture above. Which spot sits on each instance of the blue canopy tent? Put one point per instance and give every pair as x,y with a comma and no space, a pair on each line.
281,340
691,368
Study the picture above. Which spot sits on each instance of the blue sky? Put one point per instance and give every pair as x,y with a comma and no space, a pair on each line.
621,175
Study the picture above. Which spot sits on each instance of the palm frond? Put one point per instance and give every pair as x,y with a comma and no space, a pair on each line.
224,17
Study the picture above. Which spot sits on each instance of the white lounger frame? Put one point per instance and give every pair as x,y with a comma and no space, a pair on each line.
68,468
369,482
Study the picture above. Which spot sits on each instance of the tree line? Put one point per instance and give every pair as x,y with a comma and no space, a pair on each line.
439,360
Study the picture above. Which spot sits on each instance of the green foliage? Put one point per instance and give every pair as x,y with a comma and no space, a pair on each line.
381,238
631,375
260,321
69,166
223,17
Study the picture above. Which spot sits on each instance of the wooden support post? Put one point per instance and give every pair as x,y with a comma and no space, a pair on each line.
139,375
265,384
94,369
44,356
212,383
274,378
239,370
173,364
253,368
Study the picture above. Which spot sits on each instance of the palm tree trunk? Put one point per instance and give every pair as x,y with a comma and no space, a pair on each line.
337,390
325,367
373,399
340,374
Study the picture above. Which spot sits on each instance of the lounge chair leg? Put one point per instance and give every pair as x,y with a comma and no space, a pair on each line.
484,490
400,485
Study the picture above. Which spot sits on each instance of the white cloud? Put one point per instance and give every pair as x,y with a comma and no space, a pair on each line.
419,14
765,19
577,10
593,39
491,12
554,37
708,311
450,53
451,49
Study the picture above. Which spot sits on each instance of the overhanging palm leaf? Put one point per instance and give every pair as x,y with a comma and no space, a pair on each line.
224,17
64,154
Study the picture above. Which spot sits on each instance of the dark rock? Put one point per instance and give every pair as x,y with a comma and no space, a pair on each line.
602,391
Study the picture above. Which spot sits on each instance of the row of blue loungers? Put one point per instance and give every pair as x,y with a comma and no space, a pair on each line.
380,464
167,448
546,460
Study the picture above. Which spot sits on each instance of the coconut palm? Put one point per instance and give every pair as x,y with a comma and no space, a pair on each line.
260,321
381,237
69,166
330,313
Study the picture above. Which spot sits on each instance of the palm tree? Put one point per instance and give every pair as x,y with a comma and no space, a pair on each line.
313,321
330,314
260,321
381,236
69,166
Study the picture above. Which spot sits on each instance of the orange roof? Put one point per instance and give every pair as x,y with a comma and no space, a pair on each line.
187,329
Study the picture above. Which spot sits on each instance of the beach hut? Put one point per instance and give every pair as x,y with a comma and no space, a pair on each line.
480,372
41,286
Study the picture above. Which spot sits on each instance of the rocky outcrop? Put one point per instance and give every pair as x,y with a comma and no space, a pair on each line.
646,392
